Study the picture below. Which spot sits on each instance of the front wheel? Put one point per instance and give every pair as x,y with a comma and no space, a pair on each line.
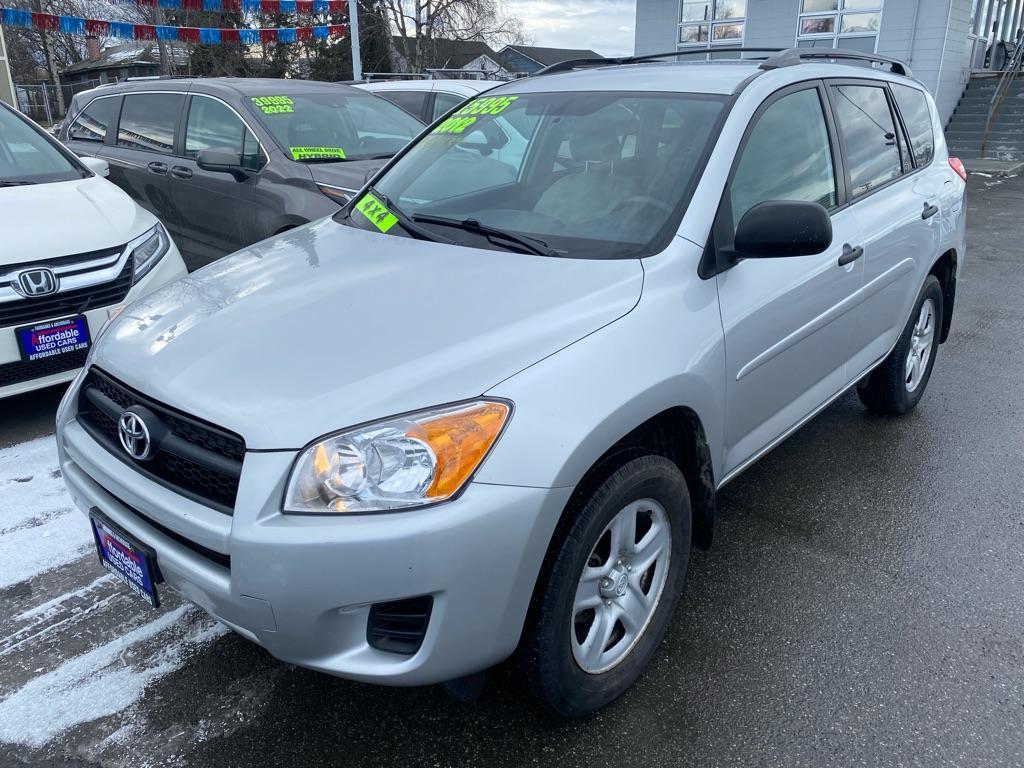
896,386
607,595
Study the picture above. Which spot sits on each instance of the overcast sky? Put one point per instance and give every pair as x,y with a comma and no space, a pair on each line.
605,26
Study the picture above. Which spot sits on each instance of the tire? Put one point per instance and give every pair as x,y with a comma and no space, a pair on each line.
651,491
893,388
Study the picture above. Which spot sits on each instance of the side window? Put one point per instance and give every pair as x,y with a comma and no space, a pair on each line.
445,103
252,156
413,102
92,124
148,121
917,117
787,156
212,125
869,136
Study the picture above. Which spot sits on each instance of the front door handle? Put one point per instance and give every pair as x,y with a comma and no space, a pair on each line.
158,167
181,172
850,254
929,211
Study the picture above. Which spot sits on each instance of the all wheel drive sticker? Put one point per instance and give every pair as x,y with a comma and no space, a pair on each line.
469,114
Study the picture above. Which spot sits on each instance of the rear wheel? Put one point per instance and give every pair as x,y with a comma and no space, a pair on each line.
896,386
608,592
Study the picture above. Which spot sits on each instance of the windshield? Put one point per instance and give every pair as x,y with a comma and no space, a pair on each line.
26,157
589,175
334,127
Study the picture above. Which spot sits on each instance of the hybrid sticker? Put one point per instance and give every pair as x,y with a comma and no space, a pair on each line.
317,153
377,213
274,105
467,116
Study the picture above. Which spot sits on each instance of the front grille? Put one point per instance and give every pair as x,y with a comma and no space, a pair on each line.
25,311
26,370
196,459
399,626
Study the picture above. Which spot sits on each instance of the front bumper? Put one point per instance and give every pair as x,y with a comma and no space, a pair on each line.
302,586
170,267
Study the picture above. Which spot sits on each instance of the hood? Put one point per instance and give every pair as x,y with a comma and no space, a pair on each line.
351,174
326,326
43,221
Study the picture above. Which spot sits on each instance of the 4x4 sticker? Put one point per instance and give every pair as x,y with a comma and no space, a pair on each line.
377,213
274,105
317,153
467,116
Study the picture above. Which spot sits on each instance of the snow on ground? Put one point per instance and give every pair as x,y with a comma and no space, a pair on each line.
40,528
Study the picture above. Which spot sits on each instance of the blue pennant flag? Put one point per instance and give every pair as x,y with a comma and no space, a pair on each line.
121,29
249,36
72,25
320,33
207,35
14,17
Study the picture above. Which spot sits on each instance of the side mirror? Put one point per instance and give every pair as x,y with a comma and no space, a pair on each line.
222,161
97,165
778,228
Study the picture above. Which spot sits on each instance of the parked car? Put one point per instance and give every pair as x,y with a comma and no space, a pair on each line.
494,422
227,162
428,100
73,249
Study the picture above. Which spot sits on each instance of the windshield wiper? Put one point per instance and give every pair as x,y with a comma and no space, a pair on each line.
530,244
404,221
15,183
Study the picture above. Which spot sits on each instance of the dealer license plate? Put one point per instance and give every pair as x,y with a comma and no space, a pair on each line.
129,561
53,338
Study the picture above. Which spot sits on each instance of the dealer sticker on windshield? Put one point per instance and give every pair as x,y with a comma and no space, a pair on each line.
274,105
317,153
377,213
467,116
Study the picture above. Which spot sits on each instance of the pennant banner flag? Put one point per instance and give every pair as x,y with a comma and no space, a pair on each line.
73,25
306,7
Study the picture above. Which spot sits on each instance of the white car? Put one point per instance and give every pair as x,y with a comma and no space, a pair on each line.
74,249
427,100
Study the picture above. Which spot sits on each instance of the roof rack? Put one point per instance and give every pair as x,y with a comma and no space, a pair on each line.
784,57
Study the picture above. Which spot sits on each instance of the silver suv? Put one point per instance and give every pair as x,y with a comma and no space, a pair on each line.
483,411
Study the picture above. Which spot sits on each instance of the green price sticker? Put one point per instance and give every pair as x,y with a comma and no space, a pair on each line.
317,153
274,105
488,105
377,213
455,125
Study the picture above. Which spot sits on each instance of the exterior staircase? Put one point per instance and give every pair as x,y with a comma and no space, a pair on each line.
967,125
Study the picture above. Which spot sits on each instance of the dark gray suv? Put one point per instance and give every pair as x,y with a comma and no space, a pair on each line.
226,162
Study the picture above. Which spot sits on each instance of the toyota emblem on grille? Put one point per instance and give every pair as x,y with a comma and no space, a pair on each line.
37,282
134,435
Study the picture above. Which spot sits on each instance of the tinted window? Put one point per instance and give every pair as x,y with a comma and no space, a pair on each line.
148,121
869,135
913,105
413,102
26,157
212,125
787,156
92,124
445,103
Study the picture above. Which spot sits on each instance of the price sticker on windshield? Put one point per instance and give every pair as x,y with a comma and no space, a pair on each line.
274,105
467,116
378,214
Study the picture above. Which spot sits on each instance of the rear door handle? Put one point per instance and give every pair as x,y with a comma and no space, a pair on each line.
157,167
850,254
929,211
181,172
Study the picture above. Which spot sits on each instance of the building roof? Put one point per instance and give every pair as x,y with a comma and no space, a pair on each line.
127,55
440,53
549,56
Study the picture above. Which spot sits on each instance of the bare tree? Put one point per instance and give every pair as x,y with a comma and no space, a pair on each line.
417,23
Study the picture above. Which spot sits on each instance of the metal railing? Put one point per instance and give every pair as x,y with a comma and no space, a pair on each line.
1006,80
39,100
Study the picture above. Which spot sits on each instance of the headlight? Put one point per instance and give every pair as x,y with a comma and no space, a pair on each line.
148,249
405,462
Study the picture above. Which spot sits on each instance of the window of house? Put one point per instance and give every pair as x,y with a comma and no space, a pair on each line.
850,24
786,157
869,136
92,124
148,121
707,23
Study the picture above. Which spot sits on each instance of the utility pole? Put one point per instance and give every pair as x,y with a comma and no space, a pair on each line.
6,82
353,32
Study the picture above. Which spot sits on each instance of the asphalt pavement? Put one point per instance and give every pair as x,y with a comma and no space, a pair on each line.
863,604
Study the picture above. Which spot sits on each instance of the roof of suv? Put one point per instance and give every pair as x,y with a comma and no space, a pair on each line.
244,86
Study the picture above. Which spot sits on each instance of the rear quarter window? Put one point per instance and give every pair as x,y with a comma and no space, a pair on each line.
917,117
92,124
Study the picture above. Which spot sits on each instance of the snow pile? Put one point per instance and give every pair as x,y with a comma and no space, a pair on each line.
40,528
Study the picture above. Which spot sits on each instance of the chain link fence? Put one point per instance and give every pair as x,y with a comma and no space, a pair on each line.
39,101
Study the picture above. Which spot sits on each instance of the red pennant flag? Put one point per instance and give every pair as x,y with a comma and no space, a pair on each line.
269,6
337,30
304,6
188,34
335,6
147,2
98,28
196,5
145,32
45,21
303,33
231,6
229,36
268,35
